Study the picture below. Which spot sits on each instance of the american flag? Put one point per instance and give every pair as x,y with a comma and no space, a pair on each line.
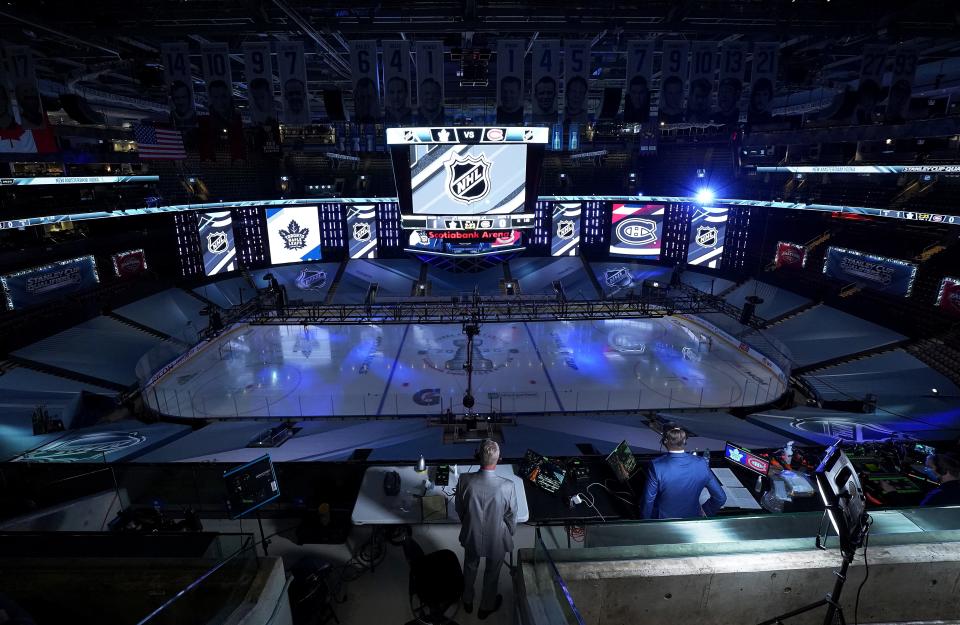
153,143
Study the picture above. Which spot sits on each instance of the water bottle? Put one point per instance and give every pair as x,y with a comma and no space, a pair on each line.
421,464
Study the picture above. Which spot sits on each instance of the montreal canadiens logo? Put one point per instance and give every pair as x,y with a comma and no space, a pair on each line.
468,178
707,236
361,232
637,231
217,242
565,229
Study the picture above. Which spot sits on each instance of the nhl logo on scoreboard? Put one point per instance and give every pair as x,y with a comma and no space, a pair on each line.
468,178
565,229
361,232
217,242
707,236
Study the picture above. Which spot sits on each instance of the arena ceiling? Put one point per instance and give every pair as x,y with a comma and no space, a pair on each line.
111,47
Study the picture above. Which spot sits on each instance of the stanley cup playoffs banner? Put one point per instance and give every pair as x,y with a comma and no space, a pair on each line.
54,281
886,275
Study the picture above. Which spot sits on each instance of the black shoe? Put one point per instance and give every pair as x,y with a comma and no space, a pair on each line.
468,607
482,614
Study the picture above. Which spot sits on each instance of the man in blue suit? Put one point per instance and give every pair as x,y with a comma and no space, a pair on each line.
676,480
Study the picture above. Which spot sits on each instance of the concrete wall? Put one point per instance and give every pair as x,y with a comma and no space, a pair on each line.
917,582
89,514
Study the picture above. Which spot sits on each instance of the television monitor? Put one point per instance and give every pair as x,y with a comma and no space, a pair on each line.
293,234
637,230
542,472
622,461
467,179
250,486
741,457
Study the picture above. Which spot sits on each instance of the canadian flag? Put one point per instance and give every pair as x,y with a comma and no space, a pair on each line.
17,140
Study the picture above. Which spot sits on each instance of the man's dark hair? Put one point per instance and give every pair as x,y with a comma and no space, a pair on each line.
638,80
947,464
674,435
176,85
673,80
702,84
428,80
403,80
579,79
510,79
296,82
260,83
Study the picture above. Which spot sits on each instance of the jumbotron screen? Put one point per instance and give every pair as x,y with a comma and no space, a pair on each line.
467,179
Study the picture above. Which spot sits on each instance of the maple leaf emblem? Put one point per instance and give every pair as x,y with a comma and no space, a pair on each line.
294,237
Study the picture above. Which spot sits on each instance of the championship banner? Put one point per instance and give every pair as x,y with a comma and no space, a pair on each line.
546,80
50,282
566,229
217,242
510,55
871,75
576,74
673,77
885,275
22,79
293,234
637,230
362,230
636,104
708,228
259,73
790,256
948,299
430,111
217,75
128,264
365,76
763,78
176,64
901,83
733,69
293,82
396,83
703,67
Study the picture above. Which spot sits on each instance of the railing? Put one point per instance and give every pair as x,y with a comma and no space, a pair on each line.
209,597
546,595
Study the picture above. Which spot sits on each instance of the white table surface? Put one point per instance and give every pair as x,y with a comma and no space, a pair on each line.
373,507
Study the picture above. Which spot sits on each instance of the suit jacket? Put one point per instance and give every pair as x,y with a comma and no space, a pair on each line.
487,506
674,486
947,494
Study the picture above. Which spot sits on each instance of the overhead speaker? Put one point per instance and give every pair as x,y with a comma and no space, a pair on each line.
333,103
80,110
611,103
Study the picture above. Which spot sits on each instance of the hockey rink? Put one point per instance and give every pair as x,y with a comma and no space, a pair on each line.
372,370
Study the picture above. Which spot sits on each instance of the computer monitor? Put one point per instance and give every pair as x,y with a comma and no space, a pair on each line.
542,471
250,486
622,461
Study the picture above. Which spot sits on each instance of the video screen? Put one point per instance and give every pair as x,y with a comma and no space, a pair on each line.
543,472
362,230
293,233
708,227
475,243
637,230
217,242
468,179
565,240
622,461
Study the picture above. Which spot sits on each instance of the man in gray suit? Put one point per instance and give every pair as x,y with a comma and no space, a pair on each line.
487,506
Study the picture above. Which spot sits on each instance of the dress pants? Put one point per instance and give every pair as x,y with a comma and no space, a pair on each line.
491,576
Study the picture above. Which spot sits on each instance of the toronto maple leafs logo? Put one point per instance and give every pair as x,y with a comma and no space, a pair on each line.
294,237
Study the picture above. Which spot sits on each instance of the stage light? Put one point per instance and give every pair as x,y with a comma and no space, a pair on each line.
705,196
934,391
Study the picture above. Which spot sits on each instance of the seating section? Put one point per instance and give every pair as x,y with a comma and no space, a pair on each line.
618,279
487,282
173,312
889,375
536,277
227,293
705,282
102,347
395,278
312,288
776,301
823,333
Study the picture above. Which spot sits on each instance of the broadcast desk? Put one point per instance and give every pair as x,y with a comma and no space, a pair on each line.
374,507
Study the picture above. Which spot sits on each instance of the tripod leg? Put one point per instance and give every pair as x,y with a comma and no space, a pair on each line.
778,620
